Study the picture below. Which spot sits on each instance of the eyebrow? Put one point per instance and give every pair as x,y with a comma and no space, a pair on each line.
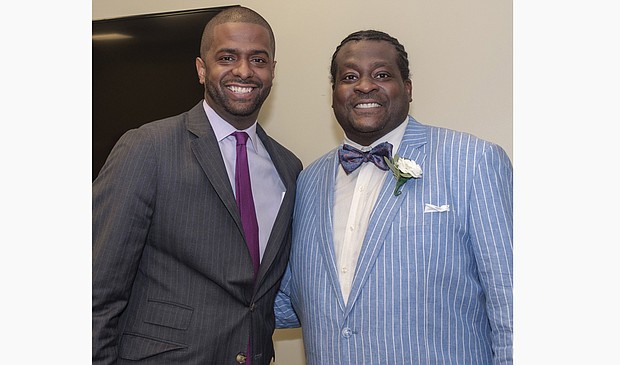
373,65
251,52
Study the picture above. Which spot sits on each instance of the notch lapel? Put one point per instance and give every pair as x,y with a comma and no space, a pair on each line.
207,152
386,207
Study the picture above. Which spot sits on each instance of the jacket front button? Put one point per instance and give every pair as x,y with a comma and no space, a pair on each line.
240,358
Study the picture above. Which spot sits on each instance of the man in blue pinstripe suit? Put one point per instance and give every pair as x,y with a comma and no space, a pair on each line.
418,272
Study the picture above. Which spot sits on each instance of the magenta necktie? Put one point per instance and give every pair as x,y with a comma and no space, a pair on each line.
245,201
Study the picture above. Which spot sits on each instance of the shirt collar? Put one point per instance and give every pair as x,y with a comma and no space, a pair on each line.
223,129
394,137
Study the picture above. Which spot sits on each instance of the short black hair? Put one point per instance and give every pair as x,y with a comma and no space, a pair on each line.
235,14
374,35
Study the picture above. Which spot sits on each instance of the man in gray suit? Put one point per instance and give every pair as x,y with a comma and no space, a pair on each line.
173,279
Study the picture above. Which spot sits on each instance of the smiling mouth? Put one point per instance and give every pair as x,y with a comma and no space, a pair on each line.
240,90
367,105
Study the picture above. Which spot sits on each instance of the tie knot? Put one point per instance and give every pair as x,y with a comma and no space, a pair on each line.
241,137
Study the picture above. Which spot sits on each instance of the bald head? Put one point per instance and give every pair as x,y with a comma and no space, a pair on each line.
237,14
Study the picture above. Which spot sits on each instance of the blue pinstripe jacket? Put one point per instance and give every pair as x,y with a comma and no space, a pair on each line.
430,287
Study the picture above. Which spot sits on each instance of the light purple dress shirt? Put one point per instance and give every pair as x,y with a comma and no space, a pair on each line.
267,187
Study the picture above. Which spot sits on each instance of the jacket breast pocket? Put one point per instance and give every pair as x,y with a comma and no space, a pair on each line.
168,314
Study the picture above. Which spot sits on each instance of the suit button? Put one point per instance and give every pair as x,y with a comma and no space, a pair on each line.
346,332
240,358
252,307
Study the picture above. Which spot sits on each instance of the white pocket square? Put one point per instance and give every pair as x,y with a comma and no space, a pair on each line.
430,208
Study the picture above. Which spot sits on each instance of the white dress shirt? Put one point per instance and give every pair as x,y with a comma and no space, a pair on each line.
267,187
354,199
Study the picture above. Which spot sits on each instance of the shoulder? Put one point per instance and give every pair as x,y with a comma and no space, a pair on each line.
447,146
462,144
278,151
166,126
285,152
158,128
324,160
321,167
161,133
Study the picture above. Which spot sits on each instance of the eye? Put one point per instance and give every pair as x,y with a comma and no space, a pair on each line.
258,60
382,75
227,58
349,77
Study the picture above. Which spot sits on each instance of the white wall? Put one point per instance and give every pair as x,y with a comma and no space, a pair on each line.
460,56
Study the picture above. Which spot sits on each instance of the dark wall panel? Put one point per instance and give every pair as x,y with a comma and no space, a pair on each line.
143,70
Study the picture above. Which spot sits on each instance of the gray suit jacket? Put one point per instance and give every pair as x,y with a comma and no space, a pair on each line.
172,276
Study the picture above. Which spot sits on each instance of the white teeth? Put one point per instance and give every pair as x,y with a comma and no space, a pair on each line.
240,90
367,105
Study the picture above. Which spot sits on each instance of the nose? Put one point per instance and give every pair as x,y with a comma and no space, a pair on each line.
365,84
243,69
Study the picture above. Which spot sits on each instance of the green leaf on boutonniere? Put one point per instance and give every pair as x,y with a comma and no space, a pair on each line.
403,169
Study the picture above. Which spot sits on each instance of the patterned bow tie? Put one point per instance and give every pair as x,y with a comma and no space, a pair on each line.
351,158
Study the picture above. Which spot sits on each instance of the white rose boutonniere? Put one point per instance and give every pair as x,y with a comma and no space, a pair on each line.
403,169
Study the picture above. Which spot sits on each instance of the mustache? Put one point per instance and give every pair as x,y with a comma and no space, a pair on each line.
371,96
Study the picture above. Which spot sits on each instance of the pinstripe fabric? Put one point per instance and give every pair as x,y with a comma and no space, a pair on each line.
172,276
429,288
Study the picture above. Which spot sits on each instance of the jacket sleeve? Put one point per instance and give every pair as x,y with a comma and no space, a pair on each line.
491,226
283,308
122,209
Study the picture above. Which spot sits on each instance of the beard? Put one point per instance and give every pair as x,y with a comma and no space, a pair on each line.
241,109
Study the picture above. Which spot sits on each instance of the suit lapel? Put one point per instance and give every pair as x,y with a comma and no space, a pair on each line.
326,224
283,219
386,207
207,152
